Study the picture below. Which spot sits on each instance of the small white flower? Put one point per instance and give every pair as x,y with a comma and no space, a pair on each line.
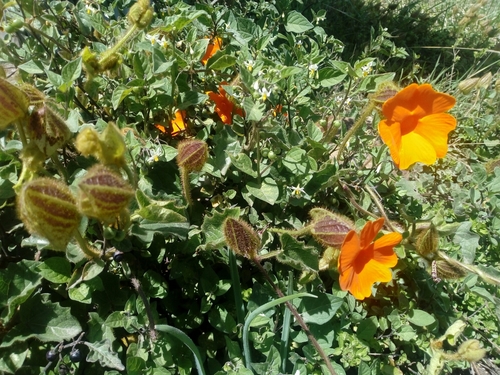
367,69
297,372
90,9
298,44
297,191
319,19
249,65
264,93
256,85
313,69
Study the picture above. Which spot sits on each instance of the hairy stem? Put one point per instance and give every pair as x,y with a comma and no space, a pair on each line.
298,318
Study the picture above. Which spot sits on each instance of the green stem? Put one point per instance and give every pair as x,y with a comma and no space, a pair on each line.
260,310
298,318
137,286
285,333
89,253
113,50
292,232
361,120
186,341
186,189
235,279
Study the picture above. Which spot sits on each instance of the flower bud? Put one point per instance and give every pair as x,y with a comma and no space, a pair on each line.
192,154
113,146
241,238
14,103
104,194
329,228
88,143
47,208
471,351
428,243
329,260
141,14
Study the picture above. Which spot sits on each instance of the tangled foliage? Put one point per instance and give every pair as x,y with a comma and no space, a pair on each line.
179,181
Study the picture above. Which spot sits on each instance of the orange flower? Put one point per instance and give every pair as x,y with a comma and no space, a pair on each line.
224,107
415,127
213,46
177,125
363,262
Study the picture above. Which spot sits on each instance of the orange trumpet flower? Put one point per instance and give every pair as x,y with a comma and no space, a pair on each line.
364,261
224,107
415,127
213,46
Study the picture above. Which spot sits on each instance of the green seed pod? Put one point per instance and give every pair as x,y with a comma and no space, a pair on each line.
192,154
47,208
48,130
384,92
241,238
14,103
329,228
467,85
104,194
428,243
448,271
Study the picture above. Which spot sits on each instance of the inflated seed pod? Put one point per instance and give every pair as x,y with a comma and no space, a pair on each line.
329,228
241,237
48,208
103,194
192,154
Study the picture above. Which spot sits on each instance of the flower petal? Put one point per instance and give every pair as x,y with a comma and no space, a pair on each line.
435,129
434,102
369,232
391,136
349,252
414,148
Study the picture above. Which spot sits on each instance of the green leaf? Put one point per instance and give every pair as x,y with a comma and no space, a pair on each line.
221,320
32,67
467,240
297,23
297,255
191,98
319,310
244,164
267,191
17,283
217,62
102,352
119,93
44,320
330,76
72,70
296,161
254,111
212,228
13,357
372,81
56,270
420,318
483,293
290,71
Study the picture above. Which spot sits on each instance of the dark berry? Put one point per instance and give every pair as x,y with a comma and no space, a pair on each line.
118,256
51,355
75,355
